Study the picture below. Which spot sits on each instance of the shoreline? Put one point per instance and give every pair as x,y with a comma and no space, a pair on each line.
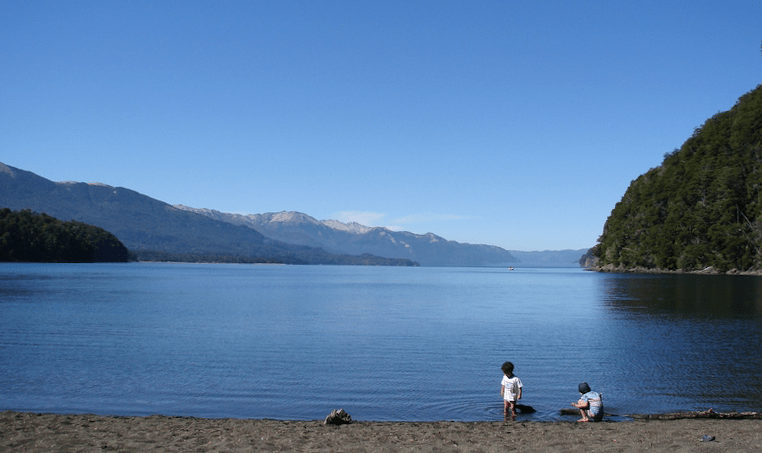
611,269
33,432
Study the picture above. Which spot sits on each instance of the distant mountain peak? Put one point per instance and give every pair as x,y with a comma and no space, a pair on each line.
432,237
73,183
6,169
283,216
350,227
290,217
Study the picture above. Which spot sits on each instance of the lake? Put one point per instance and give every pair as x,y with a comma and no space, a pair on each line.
384,343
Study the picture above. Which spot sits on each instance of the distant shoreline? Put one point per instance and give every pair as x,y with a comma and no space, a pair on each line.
24,431
216,262
609,268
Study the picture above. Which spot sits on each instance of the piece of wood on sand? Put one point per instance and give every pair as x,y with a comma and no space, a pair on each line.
678,415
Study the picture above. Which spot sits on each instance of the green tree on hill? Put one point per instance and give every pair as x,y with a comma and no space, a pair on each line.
29,237
701,207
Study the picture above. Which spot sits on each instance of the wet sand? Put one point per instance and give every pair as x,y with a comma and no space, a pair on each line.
28,432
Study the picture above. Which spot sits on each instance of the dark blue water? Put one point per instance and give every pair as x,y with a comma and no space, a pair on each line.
295,342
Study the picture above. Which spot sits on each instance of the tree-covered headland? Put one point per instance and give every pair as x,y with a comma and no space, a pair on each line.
30,237
701,208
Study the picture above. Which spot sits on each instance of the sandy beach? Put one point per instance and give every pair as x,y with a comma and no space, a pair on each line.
29,432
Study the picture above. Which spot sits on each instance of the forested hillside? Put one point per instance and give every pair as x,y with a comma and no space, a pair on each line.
701,208
29,237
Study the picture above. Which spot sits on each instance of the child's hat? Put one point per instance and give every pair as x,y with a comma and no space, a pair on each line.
584,388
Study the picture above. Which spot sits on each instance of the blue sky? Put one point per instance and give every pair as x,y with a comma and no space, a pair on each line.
517,124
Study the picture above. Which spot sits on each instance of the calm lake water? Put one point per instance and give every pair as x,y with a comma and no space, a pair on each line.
384,343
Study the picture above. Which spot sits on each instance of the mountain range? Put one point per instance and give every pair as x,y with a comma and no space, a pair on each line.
354,239
153,229
145,225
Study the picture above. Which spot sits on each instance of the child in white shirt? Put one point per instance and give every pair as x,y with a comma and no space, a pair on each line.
510,390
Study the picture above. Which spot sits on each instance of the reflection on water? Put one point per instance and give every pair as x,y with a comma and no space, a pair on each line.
708,296
691,341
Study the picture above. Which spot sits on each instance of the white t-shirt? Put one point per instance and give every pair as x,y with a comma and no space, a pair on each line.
512,386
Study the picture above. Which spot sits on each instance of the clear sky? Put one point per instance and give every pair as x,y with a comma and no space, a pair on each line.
511,123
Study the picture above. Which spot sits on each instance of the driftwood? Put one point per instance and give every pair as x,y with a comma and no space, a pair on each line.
678,415
700,414
338,417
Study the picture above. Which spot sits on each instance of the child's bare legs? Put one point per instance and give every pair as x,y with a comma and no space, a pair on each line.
509,408
583,410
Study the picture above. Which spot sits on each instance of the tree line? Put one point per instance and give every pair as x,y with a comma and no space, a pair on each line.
30,237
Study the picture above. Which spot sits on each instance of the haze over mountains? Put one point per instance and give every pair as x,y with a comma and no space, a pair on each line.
146,224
